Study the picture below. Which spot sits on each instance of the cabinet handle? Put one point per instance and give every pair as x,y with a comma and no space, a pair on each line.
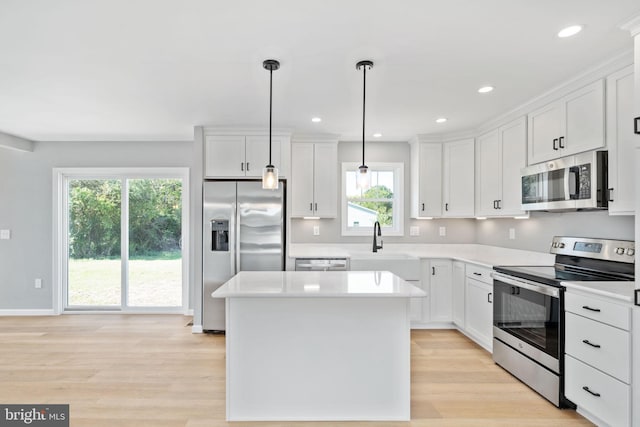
446,207
495,204
423,207
433,271
609,195
585,388
586,307
591,344
555,142
311,206
636,125
477,274
316,207
499,201
247,166
242,166
560,142
489,298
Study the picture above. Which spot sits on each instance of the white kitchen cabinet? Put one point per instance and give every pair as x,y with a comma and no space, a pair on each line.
457,291
621,142
243,156
458,179
440,290
570,125
314,179
426,179
598,357
479,305
500,154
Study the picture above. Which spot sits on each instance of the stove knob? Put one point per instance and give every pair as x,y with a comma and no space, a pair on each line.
620,251
561,245
631,251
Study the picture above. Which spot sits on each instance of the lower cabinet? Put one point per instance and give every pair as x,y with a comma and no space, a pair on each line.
478,303
457,282
436,308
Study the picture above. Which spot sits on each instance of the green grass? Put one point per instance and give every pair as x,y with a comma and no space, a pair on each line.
152,282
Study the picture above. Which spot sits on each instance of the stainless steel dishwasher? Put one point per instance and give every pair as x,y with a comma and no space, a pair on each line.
322,264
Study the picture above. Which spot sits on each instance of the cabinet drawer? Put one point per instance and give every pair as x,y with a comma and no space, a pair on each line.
613,403
613,314
477,272
606,348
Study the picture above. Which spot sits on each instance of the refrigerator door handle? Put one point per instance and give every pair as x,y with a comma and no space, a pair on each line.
236,248
232,239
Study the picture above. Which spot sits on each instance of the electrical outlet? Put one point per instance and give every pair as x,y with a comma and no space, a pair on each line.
316,230
443,231
5,234
414,230
512,233
38,283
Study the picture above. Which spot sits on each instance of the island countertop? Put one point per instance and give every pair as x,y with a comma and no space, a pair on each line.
313,284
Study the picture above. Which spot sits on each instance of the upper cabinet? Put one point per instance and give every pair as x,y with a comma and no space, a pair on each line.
500,154
244,156
570,125
314,179
458,179
621,142
426,179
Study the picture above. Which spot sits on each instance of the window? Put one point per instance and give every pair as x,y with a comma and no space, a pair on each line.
382,202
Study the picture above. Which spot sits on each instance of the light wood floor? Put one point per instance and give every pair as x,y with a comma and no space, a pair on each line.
150,370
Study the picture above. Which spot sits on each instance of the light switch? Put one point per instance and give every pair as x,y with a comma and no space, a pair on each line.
512,233
443,231
38,283
5,234
414,230
316,230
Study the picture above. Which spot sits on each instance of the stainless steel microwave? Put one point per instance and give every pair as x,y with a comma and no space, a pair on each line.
569,183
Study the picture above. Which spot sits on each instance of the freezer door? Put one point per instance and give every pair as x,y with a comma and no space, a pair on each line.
219,205
259,229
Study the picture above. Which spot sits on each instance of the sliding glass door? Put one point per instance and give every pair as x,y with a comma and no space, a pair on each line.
123,240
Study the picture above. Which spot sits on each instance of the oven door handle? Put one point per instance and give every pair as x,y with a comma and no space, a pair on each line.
532,286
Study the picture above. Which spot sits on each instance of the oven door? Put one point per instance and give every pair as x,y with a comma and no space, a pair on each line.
527,317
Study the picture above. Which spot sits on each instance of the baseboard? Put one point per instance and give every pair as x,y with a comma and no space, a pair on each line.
433,325
196,329
28,312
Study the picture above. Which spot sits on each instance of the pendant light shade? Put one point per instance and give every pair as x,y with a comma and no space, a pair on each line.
363,175
270,172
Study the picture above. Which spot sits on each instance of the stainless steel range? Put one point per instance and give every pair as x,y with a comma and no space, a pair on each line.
528,309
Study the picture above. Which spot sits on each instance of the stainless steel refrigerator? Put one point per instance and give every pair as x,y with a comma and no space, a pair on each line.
244,230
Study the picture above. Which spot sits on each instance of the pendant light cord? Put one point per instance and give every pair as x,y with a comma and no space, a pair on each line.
270,109
364,98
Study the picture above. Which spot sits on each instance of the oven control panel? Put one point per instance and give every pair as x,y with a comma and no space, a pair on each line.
606,249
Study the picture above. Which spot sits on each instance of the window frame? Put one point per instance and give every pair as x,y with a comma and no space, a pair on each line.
398,199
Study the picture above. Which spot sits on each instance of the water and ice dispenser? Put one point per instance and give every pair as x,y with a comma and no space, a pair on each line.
220,235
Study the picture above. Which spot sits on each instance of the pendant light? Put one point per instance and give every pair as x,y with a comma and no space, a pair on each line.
270,172
363,176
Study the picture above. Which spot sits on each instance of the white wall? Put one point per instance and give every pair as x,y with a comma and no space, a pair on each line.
26,205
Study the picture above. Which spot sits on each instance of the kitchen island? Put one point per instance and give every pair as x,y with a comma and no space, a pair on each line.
323,346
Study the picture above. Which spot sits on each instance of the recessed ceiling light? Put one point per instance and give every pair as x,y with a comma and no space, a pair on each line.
441,120
485,89
377,135
316,120
570,31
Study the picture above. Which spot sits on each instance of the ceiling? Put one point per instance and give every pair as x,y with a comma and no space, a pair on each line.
152,69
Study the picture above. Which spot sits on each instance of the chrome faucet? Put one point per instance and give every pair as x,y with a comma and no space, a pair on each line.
375,242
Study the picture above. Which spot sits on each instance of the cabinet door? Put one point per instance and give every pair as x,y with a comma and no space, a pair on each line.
459,179
257,154
479,312
545,126
584,119
488,173
301,183
416,304
430,181
514,157
457,300
325,185
621,142
440,295
224,156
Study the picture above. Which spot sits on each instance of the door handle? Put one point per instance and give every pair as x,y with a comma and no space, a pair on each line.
555,142
433,271
423,207
498,201
446,207
242,166
609,195
489,300
585,388
495,204
586,307
316,207
587,342
247,166
311,206
560,140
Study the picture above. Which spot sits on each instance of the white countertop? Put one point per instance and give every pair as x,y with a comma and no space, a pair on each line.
317,284
487,256
621,291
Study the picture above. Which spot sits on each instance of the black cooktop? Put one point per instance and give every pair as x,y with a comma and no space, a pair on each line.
552,276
